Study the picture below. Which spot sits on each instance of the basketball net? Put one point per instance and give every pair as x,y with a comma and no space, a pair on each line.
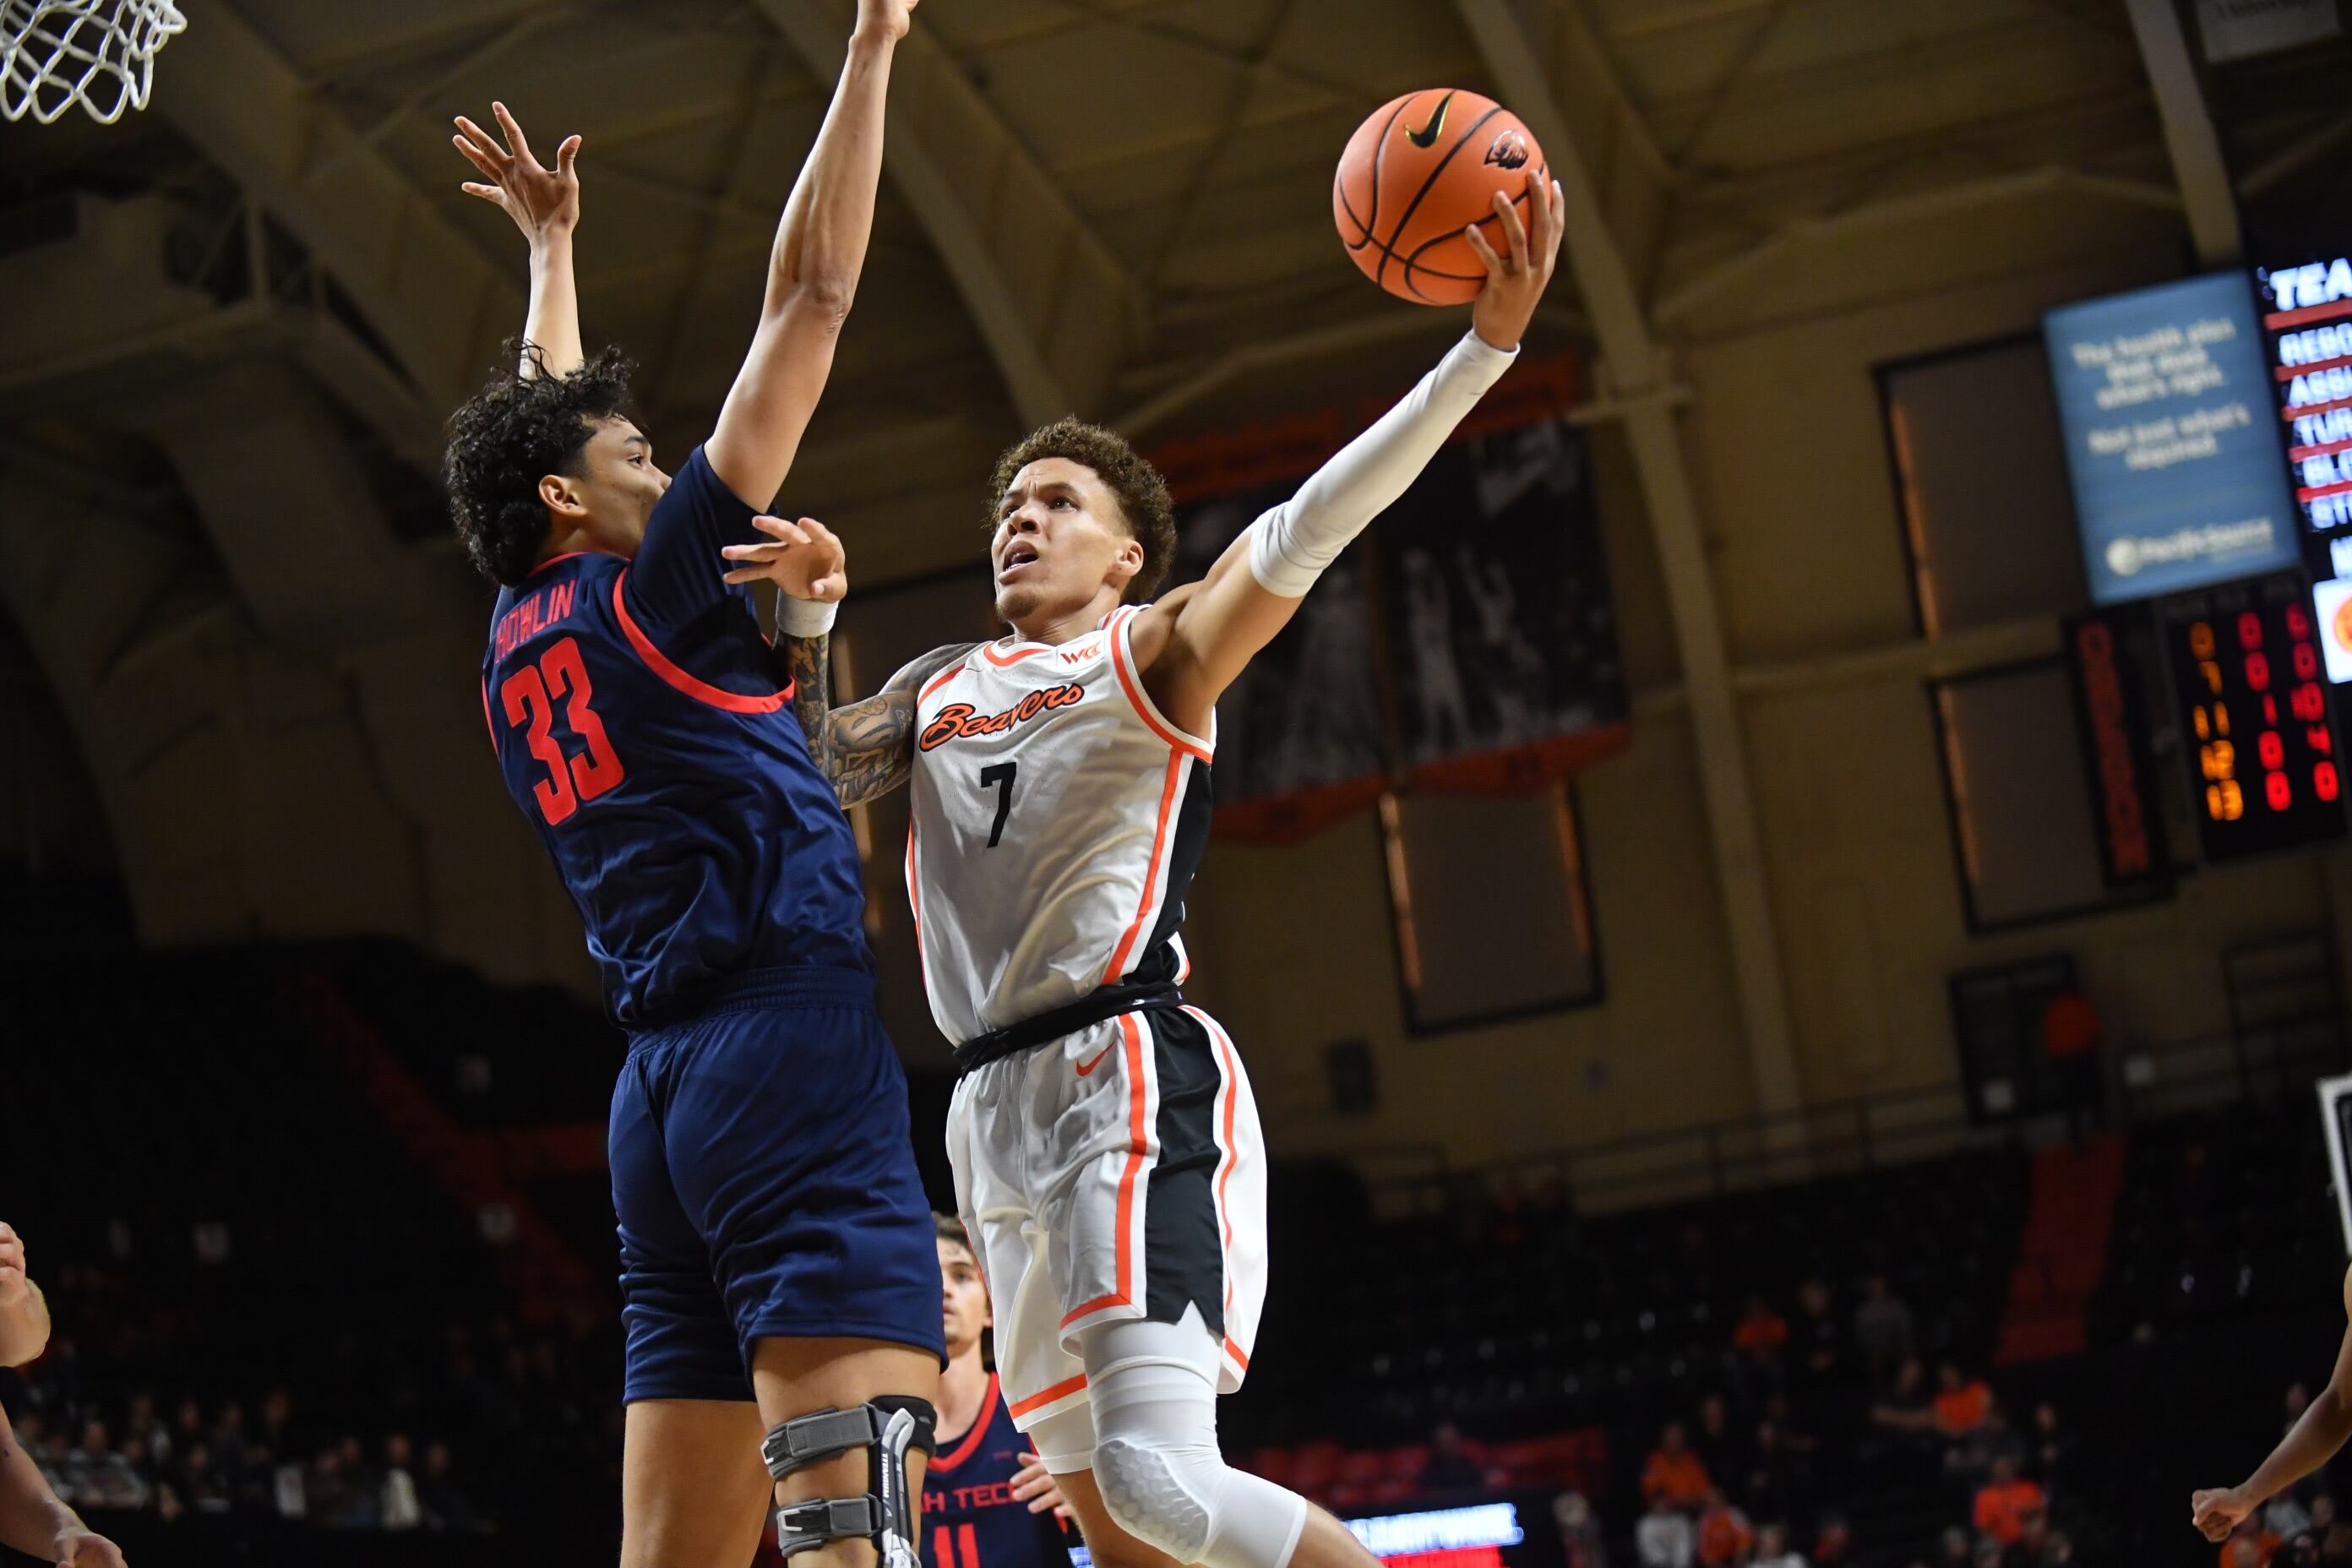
99,54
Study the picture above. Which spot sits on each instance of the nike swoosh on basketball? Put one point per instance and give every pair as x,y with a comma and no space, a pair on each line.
1427,136
1087,1067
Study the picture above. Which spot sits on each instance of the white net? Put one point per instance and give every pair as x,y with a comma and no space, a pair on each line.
99,54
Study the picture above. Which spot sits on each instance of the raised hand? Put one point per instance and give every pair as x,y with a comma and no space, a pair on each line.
806,561
2218,1513
77,1546
1516,282
543,201
886,18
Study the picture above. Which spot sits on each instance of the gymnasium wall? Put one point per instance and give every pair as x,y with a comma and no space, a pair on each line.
1785,438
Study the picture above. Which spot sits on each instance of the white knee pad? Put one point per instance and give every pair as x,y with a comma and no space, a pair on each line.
1152,1387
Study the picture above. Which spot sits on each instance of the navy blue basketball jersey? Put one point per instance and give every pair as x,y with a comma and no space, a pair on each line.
971,1518
634,711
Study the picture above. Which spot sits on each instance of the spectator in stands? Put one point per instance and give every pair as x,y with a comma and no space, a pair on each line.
1989,1554
1904,1423
1881,1329
1955,1549
23,1313
201,1485
1581,1541
1778,1484
1773,1551
1963,1404
2251,1547
2284,1517
1664,1538
1725,1536
1674,1472
1761,1331
2070,1037
1451,1468
400,1508
99,1477
2050,1448
1716,1444
2303,1550
1820,1345
1833,1543
446,1507
147,1427
2334,1535
2006,1502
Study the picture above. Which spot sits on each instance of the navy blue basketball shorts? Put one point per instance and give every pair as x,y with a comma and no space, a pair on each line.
765,1186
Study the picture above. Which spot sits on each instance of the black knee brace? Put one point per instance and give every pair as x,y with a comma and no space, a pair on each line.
886,1427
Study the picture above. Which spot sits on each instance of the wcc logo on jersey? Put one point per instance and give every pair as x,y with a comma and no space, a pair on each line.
958,720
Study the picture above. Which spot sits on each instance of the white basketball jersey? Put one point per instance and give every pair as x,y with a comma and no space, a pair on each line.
1058,817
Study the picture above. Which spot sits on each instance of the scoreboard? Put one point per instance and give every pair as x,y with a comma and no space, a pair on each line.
2257,728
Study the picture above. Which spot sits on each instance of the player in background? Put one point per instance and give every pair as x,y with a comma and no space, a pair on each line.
1107,1157
988,1500
778,1272
33,1518
2310,1443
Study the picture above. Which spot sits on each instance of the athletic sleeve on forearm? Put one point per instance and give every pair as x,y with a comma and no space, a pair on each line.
1291,545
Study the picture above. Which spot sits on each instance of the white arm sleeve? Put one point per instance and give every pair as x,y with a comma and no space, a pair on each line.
1291,545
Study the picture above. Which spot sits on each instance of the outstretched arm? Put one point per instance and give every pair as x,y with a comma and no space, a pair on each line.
864,749
545,205
812,272
24,1315
1195,642
2309,1444
34,1521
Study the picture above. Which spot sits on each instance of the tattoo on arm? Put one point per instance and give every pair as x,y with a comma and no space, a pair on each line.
808,669
865,749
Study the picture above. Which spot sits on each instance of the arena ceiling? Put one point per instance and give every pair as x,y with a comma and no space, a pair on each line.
237,318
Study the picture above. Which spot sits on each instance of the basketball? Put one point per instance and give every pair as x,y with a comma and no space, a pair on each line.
1423,168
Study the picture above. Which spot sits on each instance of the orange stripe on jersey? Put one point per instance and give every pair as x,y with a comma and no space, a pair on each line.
1135,694
1168,793
1234,1351
988,652
1044,1396
941,679
700,690
1139,1129
969,1440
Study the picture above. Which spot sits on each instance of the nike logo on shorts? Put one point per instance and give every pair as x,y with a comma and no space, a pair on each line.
1084,1069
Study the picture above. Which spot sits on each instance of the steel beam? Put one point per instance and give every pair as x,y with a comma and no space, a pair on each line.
1056,309
1636,369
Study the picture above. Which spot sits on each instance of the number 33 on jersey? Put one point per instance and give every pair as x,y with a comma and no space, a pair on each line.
1058,817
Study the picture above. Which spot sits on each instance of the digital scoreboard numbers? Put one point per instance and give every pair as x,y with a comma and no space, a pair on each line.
2256,723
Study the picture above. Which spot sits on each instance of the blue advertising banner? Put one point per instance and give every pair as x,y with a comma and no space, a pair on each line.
2172,437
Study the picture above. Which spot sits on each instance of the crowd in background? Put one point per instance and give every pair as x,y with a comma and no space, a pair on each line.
462,1426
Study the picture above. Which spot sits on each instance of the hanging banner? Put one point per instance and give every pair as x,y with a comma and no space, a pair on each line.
2235,29
1466,642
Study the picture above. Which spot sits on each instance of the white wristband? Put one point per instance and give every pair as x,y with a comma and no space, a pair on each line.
803,617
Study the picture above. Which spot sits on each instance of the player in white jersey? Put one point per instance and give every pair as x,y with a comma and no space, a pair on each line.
1108,1158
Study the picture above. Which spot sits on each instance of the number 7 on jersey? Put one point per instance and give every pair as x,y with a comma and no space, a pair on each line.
1000,778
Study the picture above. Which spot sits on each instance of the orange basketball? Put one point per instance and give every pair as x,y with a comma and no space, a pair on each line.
1419,171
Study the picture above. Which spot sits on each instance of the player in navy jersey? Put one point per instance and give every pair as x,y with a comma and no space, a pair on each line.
988,1500
779,1274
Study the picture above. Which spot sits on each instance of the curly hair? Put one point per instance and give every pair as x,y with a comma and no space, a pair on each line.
509,435
1145,506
